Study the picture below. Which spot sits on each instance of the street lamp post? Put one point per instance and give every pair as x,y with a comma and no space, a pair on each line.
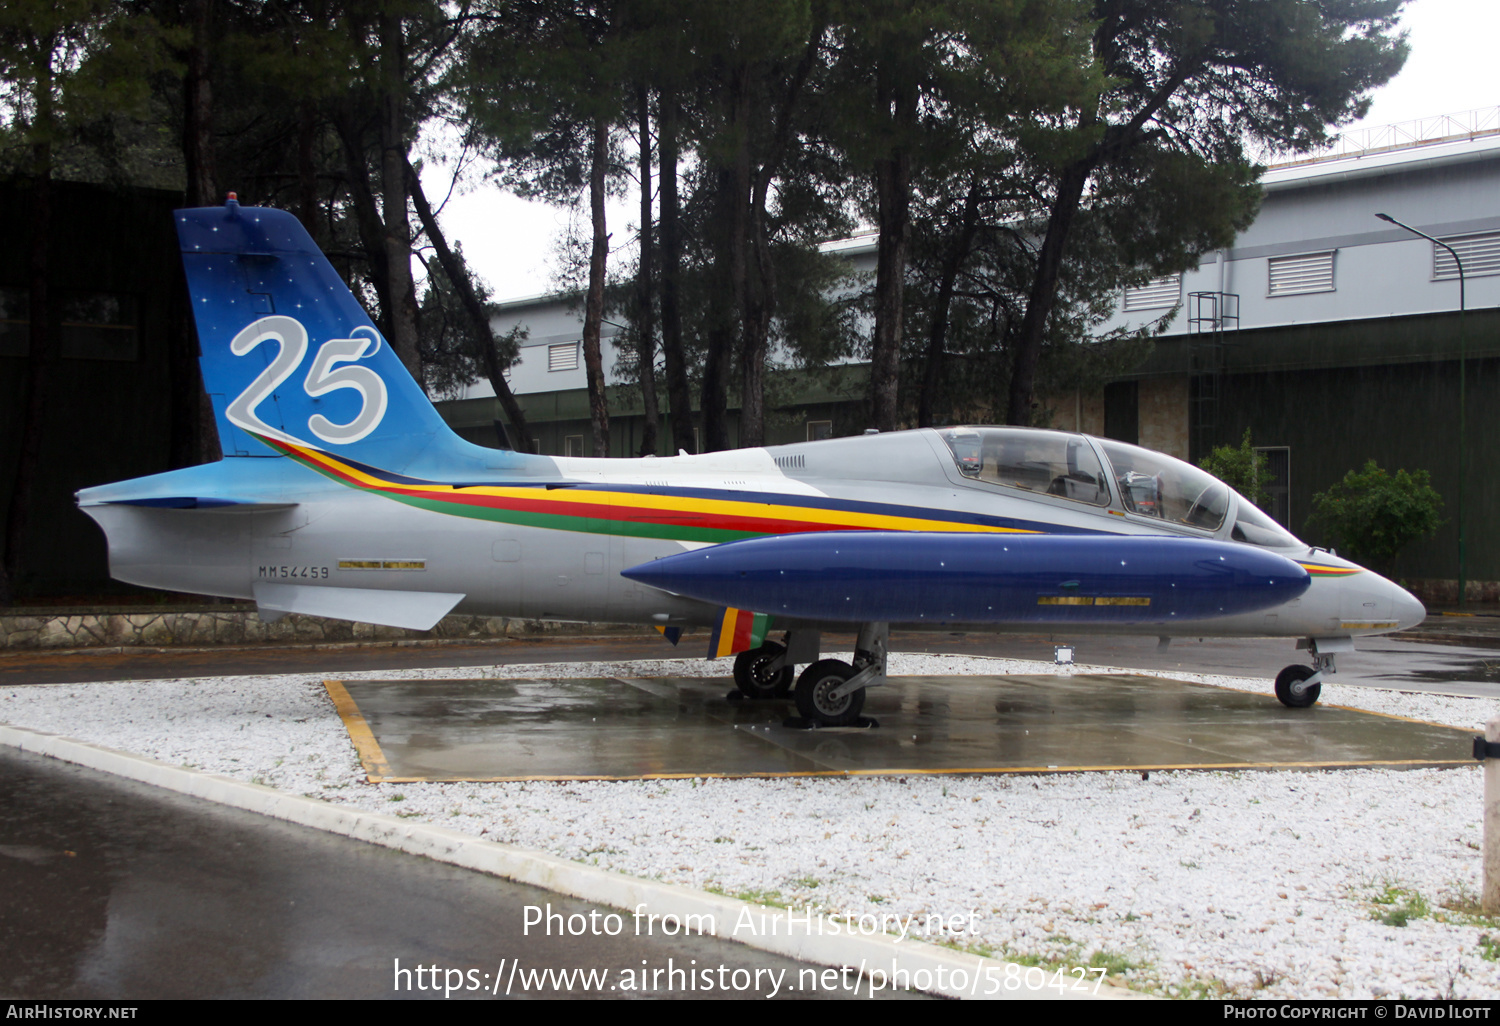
1462,383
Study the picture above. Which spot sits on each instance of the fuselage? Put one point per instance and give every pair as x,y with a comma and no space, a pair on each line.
549,538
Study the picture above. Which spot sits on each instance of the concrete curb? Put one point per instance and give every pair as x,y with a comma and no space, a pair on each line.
949,973
69,630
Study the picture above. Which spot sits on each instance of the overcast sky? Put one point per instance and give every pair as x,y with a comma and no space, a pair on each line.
511,243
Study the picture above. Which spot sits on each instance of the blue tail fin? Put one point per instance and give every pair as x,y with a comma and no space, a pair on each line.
288,354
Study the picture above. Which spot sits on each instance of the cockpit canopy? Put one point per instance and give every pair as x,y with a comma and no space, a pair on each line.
1146,483
1035,461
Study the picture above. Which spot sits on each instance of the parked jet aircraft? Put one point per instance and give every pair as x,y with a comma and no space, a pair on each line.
343,493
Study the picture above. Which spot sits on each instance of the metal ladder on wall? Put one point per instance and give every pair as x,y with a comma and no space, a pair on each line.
1210,316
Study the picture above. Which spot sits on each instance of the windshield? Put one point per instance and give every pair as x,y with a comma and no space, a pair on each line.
1253,525
1153,484
1049,462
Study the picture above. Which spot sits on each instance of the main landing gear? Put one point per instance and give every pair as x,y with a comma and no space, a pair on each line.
1298,687
829,692
763,672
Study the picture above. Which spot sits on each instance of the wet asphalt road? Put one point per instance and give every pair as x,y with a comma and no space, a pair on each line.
116,890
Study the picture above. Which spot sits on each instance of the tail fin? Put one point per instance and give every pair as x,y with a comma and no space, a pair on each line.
288,354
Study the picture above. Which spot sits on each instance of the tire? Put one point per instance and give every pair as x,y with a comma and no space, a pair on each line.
754,677
1291,675
812,695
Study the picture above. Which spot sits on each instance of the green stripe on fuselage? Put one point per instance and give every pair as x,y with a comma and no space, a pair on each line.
550,521
566,522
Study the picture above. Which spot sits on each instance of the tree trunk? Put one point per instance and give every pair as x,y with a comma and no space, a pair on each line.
479,319
1043,294
644,319
197,123
366,216
722,321
937,335
593,311
893,197
760,288
679,393
733,183
401,312
893,192
195,437
758,305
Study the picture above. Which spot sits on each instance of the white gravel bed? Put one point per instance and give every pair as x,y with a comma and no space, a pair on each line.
1245,884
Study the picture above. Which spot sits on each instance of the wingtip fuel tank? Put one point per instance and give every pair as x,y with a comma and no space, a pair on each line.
955,578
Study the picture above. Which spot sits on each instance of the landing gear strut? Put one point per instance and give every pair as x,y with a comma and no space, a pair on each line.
831,693
767,672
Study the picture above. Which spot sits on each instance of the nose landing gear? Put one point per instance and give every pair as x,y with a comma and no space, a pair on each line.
1298,687
1293,688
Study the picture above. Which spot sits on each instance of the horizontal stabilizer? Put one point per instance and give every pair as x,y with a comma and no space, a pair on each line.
414,610
205,503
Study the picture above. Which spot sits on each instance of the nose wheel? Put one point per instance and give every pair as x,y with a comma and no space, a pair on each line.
1298,687
1293,689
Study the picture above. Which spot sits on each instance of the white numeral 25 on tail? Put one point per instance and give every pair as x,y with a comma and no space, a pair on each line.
324,377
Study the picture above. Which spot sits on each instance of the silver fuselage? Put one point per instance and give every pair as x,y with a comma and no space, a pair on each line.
311,532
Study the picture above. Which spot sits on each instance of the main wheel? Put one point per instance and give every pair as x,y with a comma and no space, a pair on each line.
754,675
1291,675
815,699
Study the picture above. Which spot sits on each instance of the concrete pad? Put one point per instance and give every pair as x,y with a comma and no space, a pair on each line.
613,729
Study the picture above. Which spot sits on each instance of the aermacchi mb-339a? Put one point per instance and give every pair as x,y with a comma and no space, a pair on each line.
342,493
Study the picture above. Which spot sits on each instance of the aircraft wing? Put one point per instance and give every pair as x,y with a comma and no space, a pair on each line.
211,504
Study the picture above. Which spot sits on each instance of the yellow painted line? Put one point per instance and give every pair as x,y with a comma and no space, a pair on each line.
960,771
377,769
1163,767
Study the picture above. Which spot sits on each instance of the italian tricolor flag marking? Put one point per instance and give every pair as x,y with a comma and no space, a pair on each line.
738,630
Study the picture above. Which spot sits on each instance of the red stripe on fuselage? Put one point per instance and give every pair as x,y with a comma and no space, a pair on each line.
628,514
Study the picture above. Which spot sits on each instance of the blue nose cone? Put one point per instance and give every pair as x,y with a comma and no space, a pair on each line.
898,577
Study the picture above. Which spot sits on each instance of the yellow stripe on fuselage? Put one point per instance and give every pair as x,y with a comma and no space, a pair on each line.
667,503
